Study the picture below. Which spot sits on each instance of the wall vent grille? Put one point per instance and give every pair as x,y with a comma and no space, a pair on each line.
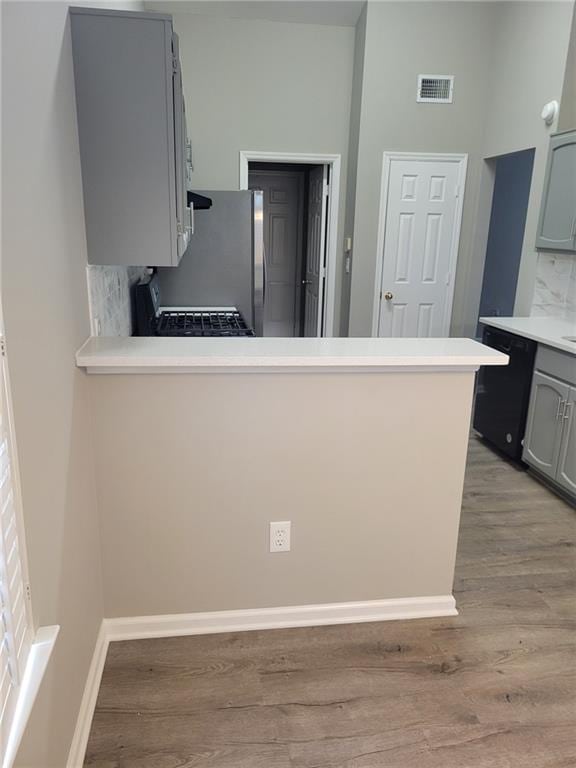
438,89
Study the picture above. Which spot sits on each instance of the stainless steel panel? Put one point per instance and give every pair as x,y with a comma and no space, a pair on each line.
259,261
217,268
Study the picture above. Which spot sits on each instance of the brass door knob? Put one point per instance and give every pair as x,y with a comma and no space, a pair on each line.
388,295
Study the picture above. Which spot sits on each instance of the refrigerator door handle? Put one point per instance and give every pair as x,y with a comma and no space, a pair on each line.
259,262
264,270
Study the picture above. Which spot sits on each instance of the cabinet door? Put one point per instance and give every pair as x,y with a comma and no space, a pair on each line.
566,476
182,213
123,70
557,225
542,441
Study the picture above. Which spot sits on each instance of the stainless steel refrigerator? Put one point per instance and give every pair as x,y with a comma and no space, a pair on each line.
223,265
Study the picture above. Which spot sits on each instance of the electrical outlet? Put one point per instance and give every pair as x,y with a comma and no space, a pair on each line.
280,536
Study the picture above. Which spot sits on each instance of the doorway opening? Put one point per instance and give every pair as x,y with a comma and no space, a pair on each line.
512,181
300,209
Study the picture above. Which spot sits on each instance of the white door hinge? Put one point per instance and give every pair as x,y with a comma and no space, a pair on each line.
2,346
28,593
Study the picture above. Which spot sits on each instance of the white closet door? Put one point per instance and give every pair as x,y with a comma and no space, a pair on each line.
422,224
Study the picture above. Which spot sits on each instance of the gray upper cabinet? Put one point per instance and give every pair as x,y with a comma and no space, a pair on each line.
132,132
557,224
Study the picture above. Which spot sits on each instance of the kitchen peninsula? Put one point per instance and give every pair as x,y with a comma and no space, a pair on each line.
360,443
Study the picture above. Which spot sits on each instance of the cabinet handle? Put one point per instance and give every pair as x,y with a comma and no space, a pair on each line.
567,408
560,409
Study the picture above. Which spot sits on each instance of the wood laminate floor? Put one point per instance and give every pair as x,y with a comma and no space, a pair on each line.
494,687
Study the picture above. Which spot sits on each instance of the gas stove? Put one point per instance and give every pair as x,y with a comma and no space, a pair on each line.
155,320
202,322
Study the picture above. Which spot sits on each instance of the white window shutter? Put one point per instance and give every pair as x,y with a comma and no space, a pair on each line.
15,622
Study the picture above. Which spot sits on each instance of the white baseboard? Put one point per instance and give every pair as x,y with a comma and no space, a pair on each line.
214,622
88,703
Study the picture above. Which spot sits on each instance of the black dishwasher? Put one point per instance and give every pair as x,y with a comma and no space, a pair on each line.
503,392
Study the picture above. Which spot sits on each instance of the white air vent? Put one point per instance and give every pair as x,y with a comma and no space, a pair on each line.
435,88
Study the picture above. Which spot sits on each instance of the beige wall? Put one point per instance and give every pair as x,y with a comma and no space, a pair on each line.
45,307
403,40
191,469
269,86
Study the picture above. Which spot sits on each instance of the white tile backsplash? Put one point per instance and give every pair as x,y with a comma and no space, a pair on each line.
555,288
109,297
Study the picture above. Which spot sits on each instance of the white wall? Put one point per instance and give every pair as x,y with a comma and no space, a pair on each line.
527,70
567,121
509,60
555,284
45,305
269,86
403,40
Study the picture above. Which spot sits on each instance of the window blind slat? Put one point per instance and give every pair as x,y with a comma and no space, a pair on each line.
15,628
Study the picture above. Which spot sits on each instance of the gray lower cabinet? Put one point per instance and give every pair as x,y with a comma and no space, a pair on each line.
566,476
132,132
550,439
557,224
545,423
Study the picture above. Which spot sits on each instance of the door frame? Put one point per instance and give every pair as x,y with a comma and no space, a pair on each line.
387,158
334,161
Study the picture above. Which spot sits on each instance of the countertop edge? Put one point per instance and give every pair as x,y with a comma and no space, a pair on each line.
100,361
115,368
503,325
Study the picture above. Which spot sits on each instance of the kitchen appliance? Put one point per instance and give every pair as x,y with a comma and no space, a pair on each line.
224,263
503,392
152,319
199,202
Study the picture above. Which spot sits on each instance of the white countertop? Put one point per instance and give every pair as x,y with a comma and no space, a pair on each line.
203,355
544,330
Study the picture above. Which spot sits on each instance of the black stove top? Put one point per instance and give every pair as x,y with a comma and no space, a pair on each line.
153,320
202,323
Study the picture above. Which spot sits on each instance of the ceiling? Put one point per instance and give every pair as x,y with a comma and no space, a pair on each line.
339,13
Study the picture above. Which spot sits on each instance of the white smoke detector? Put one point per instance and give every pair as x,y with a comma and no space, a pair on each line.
549,112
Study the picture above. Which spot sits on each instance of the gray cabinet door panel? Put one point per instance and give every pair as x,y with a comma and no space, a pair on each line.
557,225
566,476
123,70
542,441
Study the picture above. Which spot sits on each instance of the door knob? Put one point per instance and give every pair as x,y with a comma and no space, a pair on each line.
306,282
388,295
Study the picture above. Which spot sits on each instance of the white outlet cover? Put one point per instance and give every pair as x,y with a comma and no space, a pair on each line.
280,536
